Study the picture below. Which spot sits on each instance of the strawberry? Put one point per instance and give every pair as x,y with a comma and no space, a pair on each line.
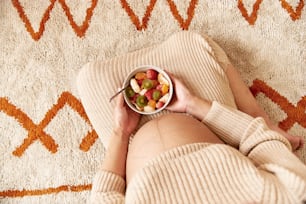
149,94
139,81
152,74
159,87
155,83
159,104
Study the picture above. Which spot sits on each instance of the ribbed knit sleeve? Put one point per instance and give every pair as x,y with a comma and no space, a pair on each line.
227,122
107,187
267,149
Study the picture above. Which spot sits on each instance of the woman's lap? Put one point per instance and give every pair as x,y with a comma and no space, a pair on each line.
162,134
200,63
200,70
203,70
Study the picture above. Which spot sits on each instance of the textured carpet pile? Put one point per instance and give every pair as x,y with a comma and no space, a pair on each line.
49,150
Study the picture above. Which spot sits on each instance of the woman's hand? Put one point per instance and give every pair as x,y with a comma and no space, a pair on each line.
297,142
182,96
184,101
125,122
125,119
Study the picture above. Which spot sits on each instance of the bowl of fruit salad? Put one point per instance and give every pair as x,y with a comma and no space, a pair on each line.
149,89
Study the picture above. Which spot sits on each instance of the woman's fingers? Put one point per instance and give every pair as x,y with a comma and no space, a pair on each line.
120,100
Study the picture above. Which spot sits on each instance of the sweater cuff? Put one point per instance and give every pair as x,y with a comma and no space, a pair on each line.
105,181
227,122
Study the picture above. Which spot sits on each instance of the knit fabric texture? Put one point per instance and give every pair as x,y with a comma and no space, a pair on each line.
262,170
195,58
50,150
256,166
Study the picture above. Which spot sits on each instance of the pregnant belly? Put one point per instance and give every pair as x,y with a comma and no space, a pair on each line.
162,134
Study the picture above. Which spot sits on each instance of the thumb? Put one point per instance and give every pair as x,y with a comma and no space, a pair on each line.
173,105
120,100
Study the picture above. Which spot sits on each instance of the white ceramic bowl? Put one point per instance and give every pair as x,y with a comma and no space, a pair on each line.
144,68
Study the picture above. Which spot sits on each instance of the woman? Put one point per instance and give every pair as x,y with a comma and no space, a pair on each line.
222,149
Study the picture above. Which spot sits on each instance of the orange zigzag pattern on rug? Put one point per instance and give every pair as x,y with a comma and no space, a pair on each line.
294,114
79,30
295,15
64,188
36,132
184,23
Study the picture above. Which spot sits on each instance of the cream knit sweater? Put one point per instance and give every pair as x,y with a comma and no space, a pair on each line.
262,170
257,165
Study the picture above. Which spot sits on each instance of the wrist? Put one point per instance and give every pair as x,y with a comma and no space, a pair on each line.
190,106
116,153
121,134
198,107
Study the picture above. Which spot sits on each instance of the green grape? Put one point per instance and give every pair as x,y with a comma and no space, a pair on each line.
129,92
156,95
141,101
147,84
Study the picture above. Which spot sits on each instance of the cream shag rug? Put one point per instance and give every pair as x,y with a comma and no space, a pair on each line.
49,151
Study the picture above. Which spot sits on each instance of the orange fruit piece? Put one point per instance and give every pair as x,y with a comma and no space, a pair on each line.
152,103
164,89
141,76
